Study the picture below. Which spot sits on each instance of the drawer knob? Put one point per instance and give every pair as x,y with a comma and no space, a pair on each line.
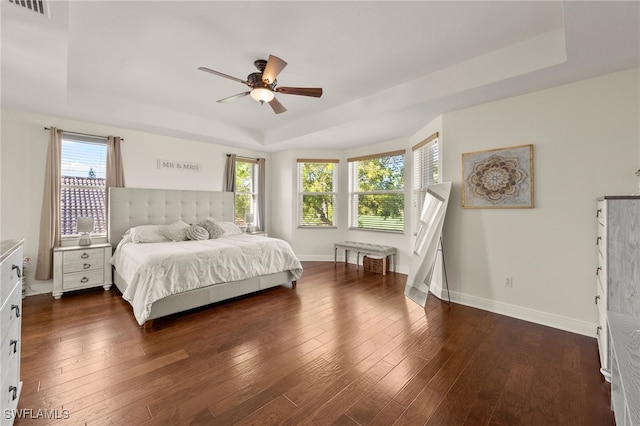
84,280
598,241
86,266
14,343
598,269
17,308
598,330
597,298
17,269
85,256
14,392
598,212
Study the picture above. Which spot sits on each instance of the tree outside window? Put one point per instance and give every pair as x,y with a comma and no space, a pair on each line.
317,196
376,193
246,189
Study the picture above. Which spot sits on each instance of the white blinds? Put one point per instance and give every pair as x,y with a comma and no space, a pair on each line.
426,167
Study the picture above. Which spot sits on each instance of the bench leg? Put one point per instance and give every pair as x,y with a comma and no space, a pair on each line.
384,265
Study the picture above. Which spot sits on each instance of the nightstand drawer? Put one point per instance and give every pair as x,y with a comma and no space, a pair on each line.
81,260
83,279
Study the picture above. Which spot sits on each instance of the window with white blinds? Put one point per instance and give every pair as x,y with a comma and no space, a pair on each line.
426,171
376,192
317,192
83,165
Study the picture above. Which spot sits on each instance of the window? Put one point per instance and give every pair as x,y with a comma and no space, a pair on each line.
376,194
83,165
426,171
246,190
317,192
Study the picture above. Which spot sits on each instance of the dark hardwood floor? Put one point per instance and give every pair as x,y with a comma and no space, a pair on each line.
344,347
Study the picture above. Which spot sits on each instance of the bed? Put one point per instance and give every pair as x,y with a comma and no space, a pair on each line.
145,273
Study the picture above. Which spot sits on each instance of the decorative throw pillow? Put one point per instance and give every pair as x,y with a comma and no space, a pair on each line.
212,227
196,232
229,228
147,234
177,231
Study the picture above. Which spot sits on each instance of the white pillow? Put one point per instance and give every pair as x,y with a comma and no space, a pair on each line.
147,234
177,231
230,228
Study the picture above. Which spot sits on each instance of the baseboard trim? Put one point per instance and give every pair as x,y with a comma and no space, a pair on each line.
543,318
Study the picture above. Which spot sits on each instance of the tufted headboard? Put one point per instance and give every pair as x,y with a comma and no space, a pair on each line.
138,206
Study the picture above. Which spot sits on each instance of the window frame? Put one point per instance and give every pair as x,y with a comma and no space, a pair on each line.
253,194
301,194
354,191
423,174
88,140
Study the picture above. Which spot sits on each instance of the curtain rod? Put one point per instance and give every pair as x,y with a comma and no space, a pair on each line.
85,134
243,158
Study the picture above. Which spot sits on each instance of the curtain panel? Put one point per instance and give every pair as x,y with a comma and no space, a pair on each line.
261,196
115,170
229,181
50,212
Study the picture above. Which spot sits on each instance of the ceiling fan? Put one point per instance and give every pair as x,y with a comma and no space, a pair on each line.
264,85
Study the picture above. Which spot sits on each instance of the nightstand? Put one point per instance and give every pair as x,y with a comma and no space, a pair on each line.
258,233
78,267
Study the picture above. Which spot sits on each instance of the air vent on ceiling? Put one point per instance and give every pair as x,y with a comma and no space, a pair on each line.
37,6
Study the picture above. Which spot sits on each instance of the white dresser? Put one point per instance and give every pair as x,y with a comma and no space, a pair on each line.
618,270
78,267
625,368
10,327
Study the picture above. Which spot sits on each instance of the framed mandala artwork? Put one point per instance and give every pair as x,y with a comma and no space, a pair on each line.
498,178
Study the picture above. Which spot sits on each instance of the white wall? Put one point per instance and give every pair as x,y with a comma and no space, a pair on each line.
23,153
586,144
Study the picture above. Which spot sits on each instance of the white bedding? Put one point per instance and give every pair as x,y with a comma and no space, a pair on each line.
156,270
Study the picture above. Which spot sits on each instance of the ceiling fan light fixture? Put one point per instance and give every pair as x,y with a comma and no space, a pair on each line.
262,94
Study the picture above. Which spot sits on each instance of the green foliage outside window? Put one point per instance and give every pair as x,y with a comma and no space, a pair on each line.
318,198
245,195
379,195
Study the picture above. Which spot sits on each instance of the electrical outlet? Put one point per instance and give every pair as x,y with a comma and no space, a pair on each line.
508,281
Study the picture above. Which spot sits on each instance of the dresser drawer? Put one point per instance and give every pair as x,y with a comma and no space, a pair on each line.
10,312
82,260
11,274
10,348
10,387
88,278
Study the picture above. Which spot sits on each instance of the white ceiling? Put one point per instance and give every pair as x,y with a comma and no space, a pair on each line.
387,68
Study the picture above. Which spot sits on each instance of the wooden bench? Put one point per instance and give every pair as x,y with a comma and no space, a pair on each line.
366,248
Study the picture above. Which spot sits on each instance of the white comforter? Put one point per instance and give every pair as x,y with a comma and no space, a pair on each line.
157,270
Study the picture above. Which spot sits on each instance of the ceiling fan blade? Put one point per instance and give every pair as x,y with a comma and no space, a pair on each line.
303,91
234,97
273,68
223,75
276,106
